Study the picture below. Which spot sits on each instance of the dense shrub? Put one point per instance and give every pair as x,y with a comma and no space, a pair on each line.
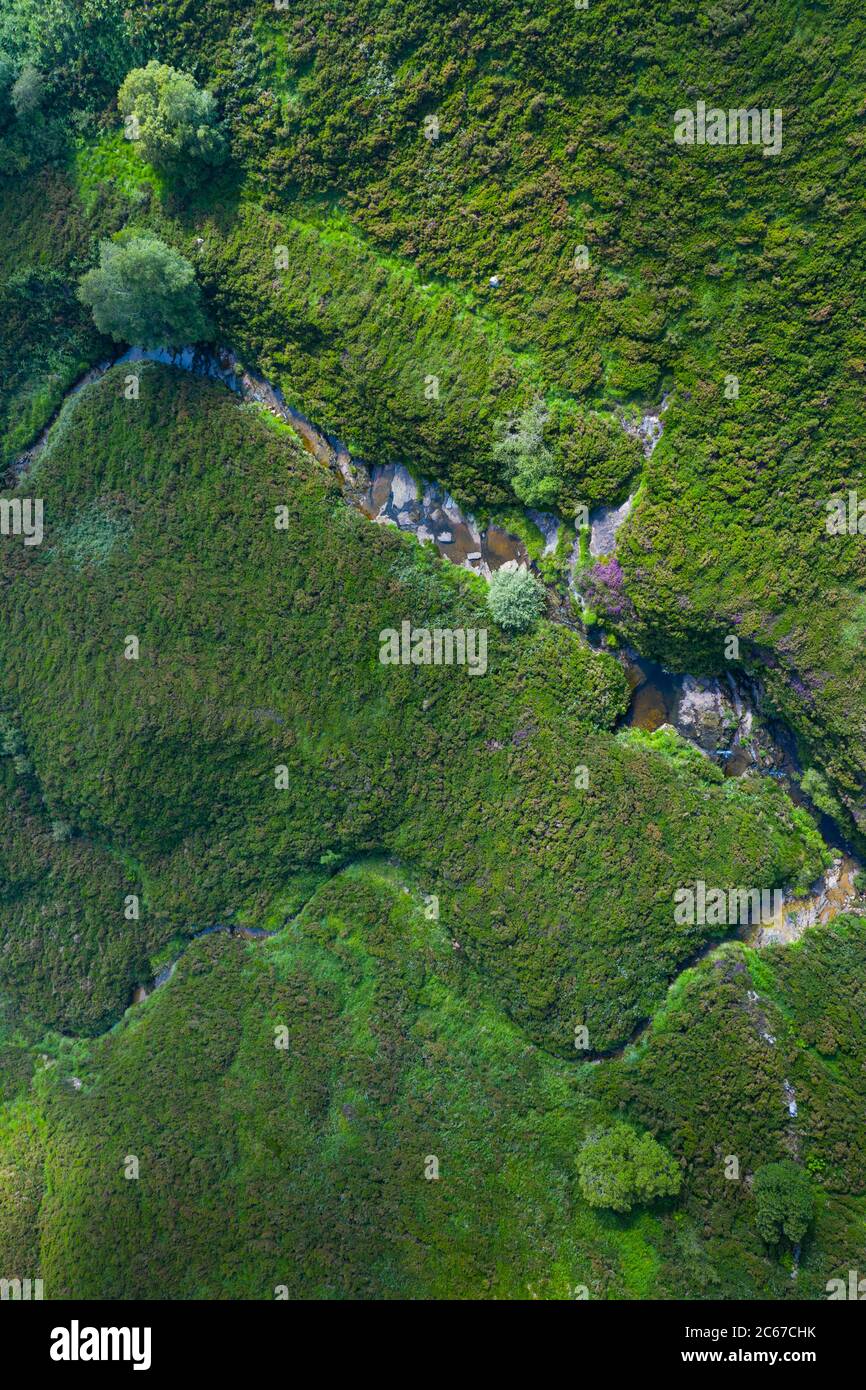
784,1203
618,1168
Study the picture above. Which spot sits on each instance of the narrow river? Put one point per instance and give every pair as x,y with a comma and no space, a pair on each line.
722,718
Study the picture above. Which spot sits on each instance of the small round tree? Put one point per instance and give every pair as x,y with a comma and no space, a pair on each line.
28,91
515,598
176,122
618,1167
527,462
784,1202
144,292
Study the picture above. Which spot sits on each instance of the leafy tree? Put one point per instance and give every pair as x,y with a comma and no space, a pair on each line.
558,455
784,1202
175,121
617,1168
515,598
28,91
816,786
144,292
525,458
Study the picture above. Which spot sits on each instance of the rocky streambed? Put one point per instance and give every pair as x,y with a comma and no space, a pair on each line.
721,717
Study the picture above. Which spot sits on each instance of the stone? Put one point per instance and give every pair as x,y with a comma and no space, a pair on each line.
604,524
403,489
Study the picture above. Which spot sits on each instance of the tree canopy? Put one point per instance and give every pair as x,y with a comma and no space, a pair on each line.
783,1200
176,121
617,1168
515,599
144,292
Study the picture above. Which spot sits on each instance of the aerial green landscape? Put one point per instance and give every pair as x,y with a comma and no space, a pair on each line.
432,618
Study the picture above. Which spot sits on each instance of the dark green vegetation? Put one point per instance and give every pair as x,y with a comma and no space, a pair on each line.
284,1103
710,1080
254,762
783,1202
555,134
554,906
160,524
303,1164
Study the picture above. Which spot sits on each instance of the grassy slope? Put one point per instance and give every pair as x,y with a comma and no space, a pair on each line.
710,1078
303,1166
699,267
556,130
259,648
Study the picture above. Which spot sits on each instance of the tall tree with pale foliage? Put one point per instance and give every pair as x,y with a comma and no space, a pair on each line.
144,292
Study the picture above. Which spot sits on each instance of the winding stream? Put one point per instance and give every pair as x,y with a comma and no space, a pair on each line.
721,718
162,976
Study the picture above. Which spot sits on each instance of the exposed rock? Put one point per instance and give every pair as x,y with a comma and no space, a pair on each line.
548,525
706,715
604,524
648,429
790,1097
403,489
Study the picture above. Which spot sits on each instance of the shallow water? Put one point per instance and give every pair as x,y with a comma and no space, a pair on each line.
834,893
431,514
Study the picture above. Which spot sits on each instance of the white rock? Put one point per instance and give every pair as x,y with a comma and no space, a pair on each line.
403,489
604,524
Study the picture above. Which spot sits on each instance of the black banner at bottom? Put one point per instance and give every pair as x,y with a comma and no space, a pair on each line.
83,1339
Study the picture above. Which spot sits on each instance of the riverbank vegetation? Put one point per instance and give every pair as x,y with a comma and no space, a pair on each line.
161,507
463,240
344,1112
495,203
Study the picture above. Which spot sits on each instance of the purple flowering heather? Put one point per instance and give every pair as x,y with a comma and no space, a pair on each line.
603,588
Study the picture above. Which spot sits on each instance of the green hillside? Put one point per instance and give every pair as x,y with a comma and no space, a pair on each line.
464,240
